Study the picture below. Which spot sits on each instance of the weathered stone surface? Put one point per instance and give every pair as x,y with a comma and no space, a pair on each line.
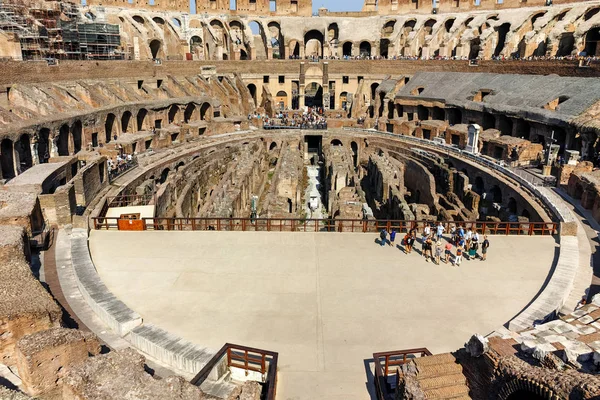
120,375
43,357
7,394
249,390
477,345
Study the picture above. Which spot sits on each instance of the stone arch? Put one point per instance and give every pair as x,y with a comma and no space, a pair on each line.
159,21
252,89
365,49
522,389
203,110
336,142
390,110
23,148
43,145
388,27
428,26
474,48
313,43
196,46
409,25
273,146
592,37
76,133
354,147
438,114
537,16
188,113
313,96
422,113
347,49
496,194
7,160
126,122
374,87
172,114
590,13
139,19
566,44
109,125
449,24
479,185
384,47
141,119
333,32
502,31
277,39
261,53
155,49
63,140
164,175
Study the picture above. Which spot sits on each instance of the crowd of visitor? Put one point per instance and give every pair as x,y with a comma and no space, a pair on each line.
119,165
586,60
461,244
312,118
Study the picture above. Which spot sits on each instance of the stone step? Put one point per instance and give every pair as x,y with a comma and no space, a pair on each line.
441,381
437,370
448,392
435,359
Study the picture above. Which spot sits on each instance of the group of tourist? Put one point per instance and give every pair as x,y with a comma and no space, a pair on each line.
467,243
587,60
122,163
312,118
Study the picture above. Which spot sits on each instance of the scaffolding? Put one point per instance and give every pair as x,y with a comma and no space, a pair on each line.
59,31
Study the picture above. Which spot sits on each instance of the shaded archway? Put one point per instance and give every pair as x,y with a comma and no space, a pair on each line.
354,148
172,115
422,113
125,121
502,32
336,142
384,45
109,126
313,43
474,48
505,125
496,194
43,145
479,186
155,49
7,159
374,87
196,46
565,44
23,148
203,110
252,90
141,119
76,133
512,205
591,42
313,96
63,141
489,121
365,49
347,49
189,111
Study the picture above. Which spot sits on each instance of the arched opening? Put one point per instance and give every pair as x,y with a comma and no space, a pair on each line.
479,186
243,55
7,159
44,145
290,205
188,113
505,125
388,28
428,26
496,194
259,40
565,44
141,119
438,114
354,148
203,110
374,87
126,121
381,104
63,141
108,127
590,13
384,45
336,142
252,90
537,16
390,110
196,46
474,48
591,42
399,110
313,44
138,19
344,101
409,26
365,49
523,129
512,206
164,175
525,214
158,20
155,47
422,113
273,146
448,24
295,49
333,32
76,131
347,49
313,96
454,116
172,115
277,40
502,32
489,121
23,148
281,101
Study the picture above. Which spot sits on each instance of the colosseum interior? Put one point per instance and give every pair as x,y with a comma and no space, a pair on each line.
218,200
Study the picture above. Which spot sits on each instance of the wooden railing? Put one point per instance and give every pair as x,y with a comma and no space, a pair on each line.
328,225
386,367
247,359
124,200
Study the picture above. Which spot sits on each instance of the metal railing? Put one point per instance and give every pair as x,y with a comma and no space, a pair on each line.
327,225
248,359
391,360
122,168
124,200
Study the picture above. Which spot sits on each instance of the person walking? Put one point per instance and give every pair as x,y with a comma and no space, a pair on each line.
411,240
440,231
425,235
392,237
458,258
484,246
427,247
448,252
383,236
438,252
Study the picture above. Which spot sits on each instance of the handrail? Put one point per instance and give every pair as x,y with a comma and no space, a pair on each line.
128,199
232,351
390,360
327,225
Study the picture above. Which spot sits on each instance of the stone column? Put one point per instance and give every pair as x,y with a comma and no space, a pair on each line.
53,146
301,96
34,150
16,160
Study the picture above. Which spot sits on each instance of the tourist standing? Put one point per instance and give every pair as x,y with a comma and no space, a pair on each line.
448,252
458,258
426,233
392,237
438,252
440,230
484,247
383,237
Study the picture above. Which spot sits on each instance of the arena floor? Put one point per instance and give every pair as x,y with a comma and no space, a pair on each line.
325,301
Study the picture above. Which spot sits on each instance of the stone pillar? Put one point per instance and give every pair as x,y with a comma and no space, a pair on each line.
53,146
301,45
269,53
34,150
473,139
16,159
301,96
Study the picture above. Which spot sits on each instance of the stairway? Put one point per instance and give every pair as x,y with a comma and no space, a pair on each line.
440,377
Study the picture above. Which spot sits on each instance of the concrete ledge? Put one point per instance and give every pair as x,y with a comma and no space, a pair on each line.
169,348
556,292
109,309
